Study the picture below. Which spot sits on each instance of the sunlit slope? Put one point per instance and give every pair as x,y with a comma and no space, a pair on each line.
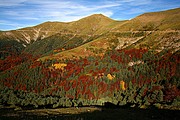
50,36
155,40
72,34
94,24
157,31
164,20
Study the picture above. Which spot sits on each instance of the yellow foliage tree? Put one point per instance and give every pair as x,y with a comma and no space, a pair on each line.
59,66
110,77
122,84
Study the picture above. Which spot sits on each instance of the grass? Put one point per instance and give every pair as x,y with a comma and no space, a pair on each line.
140,39
80,51
162,20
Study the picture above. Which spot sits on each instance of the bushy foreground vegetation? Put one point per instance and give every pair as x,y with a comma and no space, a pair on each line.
135,77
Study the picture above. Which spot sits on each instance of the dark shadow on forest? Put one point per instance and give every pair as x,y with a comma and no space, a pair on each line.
108,112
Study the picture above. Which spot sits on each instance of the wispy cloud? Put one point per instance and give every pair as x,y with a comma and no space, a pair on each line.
55,9
10,24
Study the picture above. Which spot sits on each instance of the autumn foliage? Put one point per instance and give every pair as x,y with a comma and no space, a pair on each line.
93,78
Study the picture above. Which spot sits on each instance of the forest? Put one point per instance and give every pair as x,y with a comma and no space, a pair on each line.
130,77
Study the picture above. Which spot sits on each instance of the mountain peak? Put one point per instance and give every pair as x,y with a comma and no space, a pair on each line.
98,16
95,19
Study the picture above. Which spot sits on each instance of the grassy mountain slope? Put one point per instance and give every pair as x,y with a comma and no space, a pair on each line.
164,20
93,24
58,42
157,31
156,41
98,31
51,36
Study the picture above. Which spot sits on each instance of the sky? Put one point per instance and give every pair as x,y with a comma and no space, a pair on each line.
15,14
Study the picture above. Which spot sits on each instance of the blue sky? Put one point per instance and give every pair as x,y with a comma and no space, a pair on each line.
15,14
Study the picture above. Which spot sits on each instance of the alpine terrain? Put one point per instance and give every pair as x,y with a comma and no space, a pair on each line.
94,61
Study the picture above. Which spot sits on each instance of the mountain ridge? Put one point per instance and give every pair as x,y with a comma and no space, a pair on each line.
163,20
69,35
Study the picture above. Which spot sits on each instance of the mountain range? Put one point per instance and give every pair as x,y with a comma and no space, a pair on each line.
92,62
155,30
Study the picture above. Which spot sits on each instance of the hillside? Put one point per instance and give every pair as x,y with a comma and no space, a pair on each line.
90,25
95,61
84,29
156,31
164,20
